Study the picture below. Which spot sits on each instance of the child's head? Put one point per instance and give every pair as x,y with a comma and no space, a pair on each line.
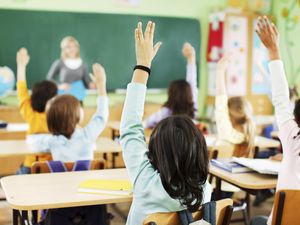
63,115
240,113
180,98
70,48
178,151
42,92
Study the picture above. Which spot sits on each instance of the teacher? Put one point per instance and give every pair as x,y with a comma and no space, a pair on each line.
71,70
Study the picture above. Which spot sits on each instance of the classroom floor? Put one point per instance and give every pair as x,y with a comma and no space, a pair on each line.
5,212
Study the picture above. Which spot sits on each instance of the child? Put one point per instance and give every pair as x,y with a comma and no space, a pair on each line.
234,121
32,108
70,66
68,143
182,94
172,174
289,175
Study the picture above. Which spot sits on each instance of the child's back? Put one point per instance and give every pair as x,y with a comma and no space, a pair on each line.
67,141
171,174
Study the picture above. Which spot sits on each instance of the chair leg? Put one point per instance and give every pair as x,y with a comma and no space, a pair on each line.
245,215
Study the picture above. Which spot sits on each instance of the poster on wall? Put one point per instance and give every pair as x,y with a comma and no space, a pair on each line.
260,73
214,47
236,45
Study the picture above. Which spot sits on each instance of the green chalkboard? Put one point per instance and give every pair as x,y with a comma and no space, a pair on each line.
104,38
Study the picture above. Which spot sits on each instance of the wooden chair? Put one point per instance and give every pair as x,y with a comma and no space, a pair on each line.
42,167
286,207
223,215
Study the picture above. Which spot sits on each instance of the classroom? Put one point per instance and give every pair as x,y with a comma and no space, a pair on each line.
149,112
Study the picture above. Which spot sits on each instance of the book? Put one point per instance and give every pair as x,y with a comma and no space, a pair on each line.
263,166
110,187
230,166
77,89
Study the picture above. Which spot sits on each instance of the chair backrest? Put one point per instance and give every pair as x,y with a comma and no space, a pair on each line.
286,207
223,215
42,167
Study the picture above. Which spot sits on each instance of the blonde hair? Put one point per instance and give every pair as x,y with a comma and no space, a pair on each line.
240,113
63,44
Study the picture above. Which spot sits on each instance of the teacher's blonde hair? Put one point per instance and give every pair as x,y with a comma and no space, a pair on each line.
64,43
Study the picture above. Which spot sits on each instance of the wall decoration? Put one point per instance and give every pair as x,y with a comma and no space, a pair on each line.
260,74
236,45
289,13
262,6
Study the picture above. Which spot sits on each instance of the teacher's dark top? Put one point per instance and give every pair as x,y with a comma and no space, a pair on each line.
68,75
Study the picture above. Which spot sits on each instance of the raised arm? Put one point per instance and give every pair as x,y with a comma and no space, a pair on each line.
188,52
224,126
54,70
97,124
22,91
269,36
132,132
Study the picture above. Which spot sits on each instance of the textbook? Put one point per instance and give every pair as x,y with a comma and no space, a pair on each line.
263,166
230,166
110,187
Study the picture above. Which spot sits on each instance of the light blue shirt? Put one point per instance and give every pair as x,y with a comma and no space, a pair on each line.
149,195
81,144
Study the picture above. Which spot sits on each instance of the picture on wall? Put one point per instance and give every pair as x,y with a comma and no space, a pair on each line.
260,73
236,46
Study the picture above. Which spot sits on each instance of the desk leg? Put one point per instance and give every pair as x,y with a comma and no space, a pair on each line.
218,191
15,217
114,155
248,204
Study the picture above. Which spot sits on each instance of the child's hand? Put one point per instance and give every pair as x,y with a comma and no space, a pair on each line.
22,57
223,64
145,51
269,36
188,52
99,77
64,86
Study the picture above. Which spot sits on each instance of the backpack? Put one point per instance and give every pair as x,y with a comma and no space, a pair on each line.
83,215
209,214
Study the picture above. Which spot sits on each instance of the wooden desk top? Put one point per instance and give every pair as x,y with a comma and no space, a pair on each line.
58,190
275,134
261,142
14,131
250,181
21,147
114,125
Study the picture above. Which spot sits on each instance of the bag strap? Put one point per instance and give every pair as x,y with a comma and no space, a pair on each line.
209,212
56,166
82,165
185,217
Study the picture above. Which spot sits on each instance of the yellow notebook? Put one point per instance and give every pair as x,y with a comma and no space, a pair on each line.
112,187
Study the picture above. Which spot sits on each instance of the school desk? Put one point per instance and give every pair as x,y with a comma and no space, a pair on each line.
260,142
275,134
20,148
251,183
56,190
14,131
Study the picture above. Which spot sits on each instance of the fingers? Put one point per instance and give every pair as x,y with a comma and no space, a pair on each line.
274,28
156,48
149,32
140,31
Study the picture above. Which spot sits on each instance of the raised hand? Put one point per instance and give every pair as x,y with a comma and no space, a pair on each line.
269,36
223,64
22,57
145,51
99,77
188,52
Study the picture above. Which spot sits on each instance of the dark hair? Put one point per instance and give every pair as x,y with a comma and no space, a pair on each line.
42,92
63,115
178,151
180,99
297,111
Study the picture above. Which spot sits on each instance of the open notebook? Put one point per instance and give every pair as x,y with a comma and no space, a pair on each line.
264,166
110,187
